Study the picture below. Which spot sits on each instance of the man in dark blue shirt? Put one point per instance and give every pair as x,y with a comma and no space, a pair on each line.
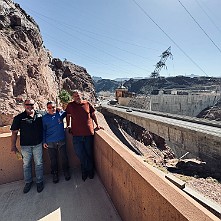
29,123
54,139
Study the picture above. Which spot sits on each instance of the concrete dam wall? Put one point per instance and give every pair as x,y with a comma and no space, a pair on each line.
189,105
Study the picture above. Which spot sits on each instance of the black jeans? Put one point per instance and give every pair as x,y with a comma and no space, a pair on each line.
55,149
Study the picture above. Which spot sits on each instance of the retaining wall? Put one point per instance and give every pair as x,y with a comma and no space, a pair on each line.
137,190
200,140
11,168
189,105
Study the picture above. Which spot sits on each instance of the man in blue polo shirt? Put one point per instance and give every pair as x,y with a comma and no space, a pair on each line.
54,139
29,123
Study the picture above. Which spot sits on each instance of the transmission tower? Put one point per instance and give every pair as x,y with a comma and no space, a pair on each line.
161,63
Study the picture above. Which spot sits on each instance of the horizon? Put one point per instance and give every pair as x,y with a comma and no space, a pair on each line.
124,39
138,78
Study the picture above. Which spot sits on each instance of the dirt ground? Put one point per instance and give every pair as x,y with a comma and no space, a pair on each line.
208,187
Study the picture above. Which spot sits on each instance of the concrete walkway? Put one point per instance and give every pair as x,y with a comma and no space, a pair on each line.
72,200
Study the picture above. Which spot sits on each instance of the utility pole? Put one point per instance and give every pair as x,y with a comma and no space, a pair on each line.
161,63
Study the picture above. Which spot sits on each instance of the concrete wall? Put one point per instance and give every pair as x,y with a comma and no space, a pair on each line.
137,190
11,168
137,102
124,100
189,105
200,140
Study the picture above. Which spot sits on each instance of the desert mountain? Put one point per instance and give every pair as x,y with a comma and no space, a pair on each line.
106,85
147,85
27,68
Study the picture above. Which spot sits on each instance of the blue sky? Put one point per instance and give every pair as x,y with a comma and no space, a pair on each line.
125,38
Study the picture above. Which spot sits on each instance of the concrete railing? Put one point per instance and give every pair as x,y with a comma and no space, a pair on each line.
137,190
11,168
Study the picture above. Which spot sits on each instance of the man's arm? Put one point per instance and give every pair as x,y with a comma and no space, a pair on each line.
45,145
63,114
68,120
93,116
13,140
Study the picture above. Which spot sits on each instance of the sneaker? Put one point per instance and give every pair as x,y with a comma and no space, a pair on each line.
55,178
84,176
40,187
67,175
27,187
91,174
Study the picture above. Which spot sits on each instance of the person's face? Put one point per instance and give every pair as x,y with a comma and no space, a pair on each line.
29,106
77,97
51,108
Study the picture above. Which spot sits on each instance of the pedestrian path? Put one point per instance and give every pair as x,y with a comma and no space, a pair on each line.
72,200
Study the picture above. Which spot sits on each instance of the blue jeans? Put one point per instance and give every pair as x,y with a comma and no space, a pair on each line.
27,153
83,146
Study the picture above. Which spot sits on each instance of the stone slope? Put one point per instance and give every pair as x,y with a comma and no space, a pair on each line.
27,68
24,70
71,76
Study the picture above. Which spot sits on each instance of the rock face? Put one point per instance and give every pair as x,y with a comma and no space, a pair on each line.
106,85
139,133
24,69
70,76
148,85
212,113
145,86
27,68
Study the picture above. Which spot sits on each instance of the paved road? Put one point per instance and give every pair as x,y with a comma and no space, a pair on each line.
211,130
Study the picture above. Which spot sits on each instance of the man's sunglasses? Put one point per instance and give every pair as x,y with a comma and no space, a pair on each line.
52,107
29,104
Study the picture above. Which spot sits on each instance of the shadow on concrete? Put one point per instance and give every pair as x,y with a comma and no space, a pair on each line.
120,136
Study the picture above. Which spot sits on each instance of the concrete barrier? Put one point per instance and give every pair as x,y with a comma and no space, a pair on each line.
11,168
200,140
137,190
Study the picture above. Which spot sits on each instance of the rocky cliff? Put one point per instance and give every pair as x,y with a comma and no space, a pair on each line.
147,85
106,85
70,76
27,68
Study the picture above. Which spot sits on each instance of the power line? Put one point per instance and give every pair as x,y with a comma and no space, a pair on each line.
208,16
200,26
80,30
94,15
146,14
117,58
68,47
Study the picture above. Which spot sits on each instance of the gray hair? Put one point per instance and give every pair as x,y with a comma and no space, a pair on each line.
76,91
28,99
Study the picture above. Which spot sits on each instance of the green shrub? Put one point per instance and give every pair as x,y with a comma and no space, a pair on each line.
64,96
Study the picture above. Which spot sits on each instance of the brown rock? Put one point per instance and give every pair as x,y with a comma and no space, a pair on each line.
25,66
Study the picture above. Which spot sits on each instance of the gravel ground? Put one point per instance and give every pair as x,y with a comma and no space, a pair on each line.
208,187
